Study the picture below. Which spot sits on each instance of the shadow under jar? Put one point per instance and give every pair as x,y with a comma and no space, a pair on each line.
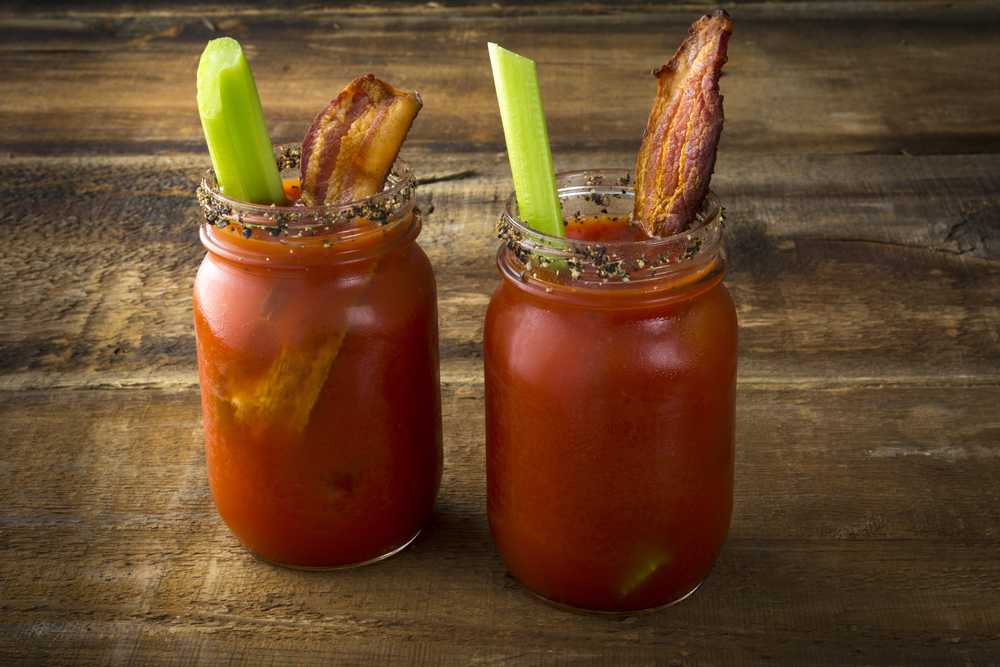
317,340
610,379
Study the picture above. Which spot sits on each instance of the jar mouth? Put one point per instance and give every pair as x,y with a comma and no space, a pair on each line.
595,194
299,224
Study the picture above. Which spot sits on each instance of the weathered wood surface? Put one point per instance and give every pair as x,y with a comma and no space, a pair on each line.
842,78
861,176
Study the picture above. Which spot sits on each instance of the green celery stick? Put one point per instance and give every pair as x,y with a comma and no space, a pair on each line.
527,140
234,126
644,572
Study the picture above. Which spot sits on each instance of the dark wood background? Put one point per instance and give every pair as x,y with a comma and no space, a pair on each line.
859,167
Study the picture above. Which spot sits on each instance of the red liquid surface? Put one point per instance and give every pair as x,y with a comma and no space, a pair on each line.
610,230
610,439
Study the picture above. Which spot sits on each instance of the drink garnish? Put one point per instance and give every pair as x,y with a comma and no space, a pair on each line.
527,139
291,387
679,146
353,142
233,121
644,572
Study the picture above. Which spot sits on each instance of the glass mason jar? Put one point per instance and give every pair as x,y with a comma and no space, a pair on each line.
317,341
610,371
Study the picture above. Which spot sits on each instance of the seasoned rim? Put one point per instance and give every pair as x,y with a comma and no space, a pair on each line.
362,216
604,193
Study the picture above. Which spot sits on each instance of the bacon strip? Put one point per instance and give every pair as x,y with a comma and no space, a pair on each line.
352,143
679,145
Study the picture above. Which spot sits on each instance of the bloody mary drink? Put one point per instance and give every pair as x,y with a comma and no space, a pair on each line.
610,371
318,361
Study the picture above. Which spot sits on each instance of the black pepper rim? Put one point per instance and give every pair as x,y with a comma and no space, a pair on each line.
561,260
372,212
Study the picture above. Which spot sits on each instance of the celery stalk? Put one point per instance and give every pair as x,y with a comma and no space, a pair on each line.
527,141
233,120
644,572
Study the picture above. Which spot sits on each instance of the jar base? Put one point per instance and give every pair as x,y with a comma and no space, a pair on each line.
332,568
597,612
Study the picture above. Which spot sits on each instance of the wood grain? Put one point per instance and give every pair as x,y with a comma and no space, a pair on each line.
879,78
123,551
861,179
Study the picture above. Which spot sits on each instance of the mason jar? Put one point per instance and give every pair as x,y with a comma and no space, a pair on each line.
610,381
317,339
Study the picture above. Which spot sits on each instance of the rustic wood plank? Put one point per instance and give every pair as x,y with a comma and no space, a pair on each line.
860,530
870,78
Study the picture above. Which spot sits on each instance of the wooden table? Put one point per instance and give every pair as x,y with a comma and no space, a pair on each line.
860,167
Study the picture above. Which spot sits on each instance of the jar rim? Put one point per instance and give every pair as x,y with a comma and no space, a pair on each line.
596,192
360,217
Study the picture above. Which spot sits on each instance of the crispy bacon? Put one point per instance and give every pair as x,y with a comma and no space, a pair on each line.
679,145
350,148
